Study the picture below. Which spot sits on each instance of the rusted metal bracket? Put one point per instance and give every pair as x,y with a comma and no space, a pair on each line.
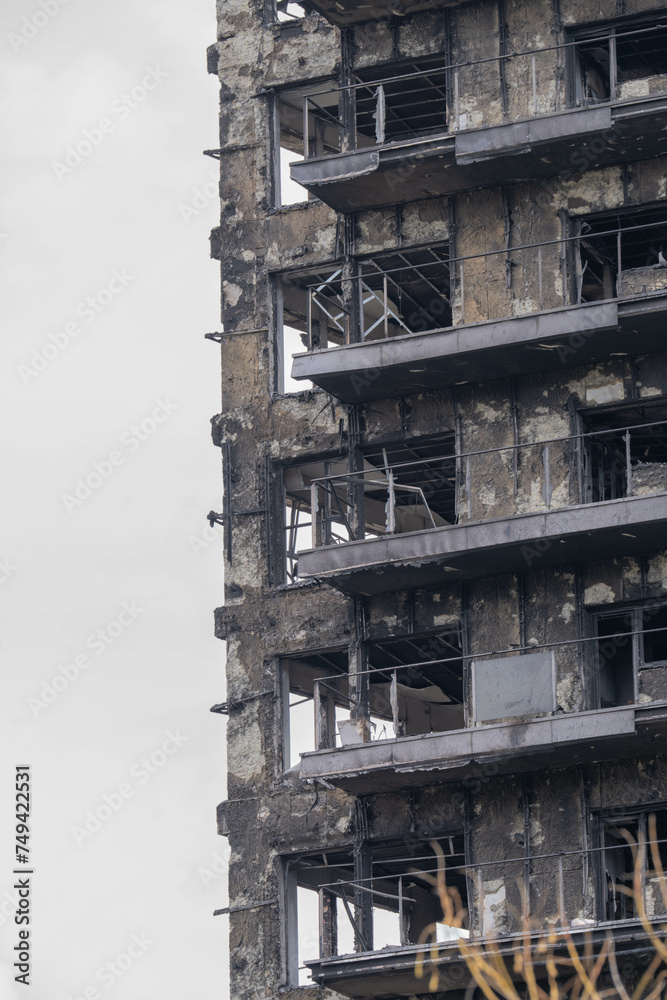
225,707
248,906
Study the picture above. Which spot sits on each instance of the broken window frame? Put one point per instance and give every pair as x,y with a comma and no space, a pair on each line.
612,35
608,240
615,881
633,628
602,477
400,693
377,497
298,505
382,876
289,125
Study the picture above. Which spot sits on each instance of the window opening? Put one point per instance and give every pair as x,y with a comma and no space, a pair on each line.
289,146
622,253
404,902
307,316
610,62
625,450
288,11
428,690
618,861
629,639
398,103
405,292
403,486
297,482
616,661
300,674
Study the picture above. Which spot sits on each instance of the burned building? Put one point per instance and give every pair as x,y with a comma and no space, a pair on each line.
443,250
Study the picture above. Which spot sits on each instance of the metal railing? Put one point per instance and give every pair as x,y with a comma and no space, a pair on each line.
566,890
444,293
531,83
371,503
356,687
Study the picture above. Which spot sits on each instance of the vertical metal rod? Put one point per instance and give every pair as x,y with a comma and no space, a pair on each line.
613,68
313,512
546,458
534,72
480,901
561,894
463,302
317,705
320,910
391,513
401,921
619,279
628,465
456,99
309,319
386,306
539,276
393,697
469,487
306,149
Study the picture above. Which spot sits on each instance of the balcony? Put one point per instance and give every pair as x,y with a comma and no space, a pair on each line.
510,748
580,897
398,137
414,320
435,520
430,733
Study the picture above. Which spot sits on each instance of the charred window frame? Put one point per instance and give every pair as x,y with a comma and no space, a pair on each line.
615,835
404,291
289,145
312,710
401,292
604,57
294,509
630,638
395,102
299,325
619,253
419,681
623,451
376,895
416,684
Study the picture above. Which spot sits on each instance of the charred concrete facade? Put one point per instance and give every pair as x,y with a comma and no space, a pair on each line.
445,518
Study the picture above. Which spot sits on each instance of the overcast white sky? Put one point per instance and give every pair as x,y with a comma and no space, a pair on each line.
111,228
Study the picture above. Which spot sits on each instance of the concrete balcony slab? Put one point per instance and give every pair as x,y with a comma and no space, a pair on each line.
485,548
561,142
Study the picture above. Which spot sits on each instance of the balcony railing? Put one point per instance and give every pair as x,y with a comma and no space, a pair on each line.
380,696
517,86
443,293
452,489
536,893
